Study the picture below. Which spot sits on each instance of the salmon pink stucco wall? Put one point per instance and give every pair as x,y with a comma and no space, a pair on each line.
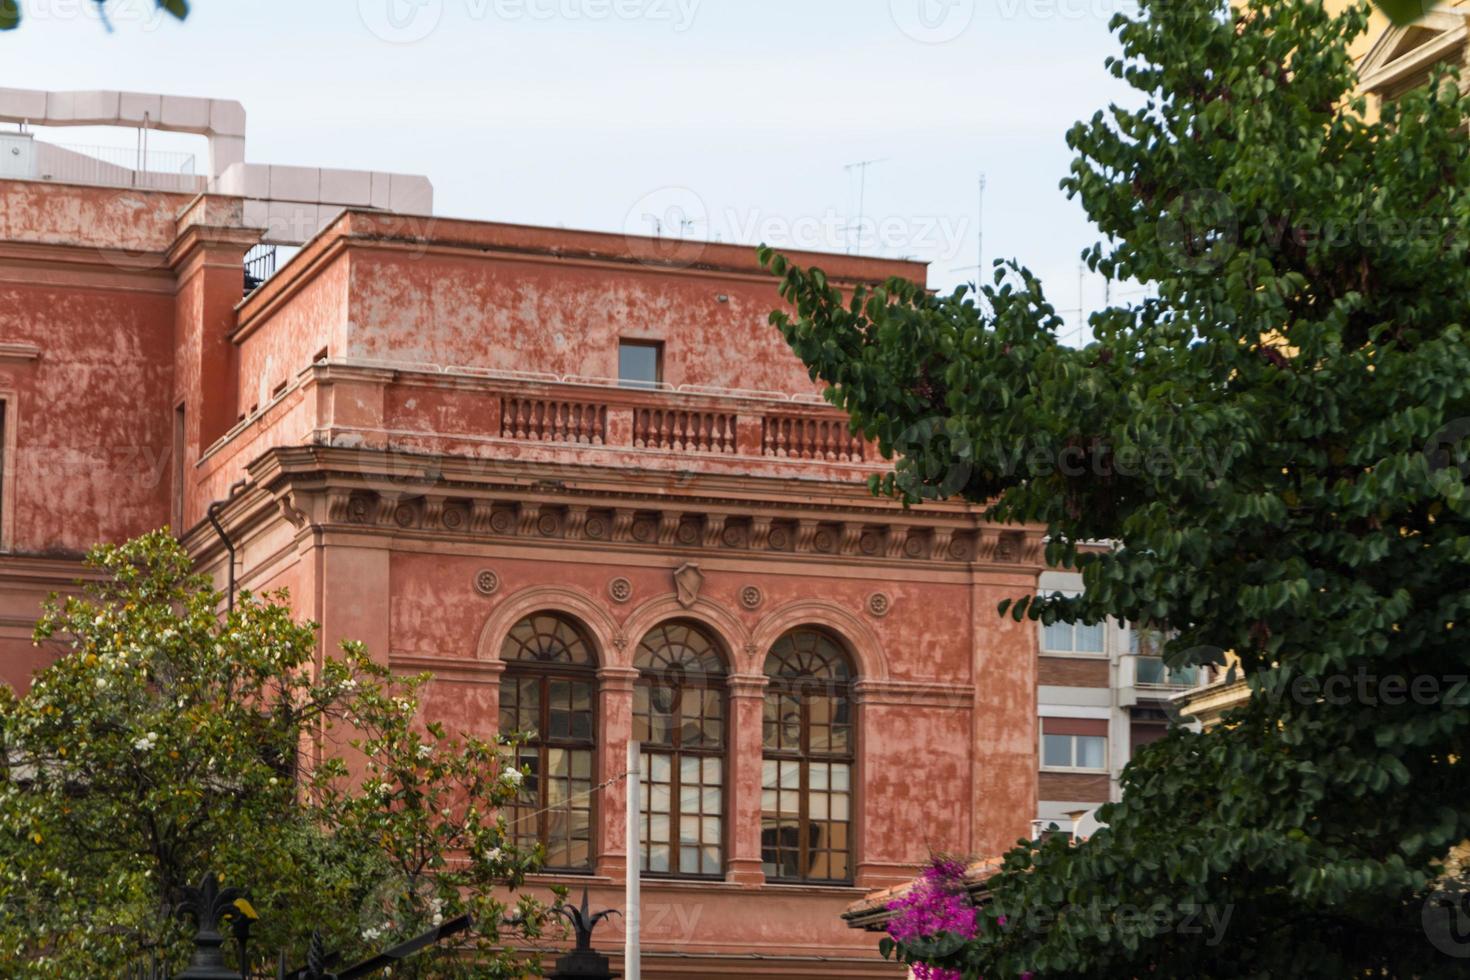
528,314
90,413
86,371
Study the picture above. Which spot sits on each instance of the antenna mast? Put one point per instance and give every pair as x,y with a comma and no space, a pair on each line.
980,236
862,168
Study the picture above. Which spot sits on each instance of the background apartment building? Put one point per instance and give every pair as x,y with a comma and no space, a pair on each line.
1102,692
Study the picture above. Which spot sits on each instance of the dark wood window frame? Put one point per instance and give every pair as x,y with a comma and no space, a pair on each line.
683,682
798,685
657,346
544,667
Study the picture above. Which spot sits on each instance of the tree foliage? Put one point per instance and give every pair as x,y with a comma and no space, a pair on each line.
1274,444
168,742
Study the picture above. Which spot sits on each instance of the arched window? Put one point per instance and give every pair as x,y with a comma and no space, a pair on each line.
549,689
679,716
806,769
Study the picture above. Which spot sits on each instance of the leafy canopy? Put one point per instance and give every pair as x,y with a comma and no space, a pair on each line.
167,742
1274,443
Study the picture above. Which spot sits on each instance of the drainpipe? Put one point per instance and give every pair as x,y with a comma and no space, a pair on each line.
213,515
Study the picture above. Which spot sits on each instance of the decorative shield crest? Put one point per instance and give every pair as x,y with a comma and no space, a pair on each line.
688,580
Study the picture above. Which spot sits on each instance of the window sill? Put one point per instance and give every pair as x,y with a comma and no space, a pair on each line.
1076,654
578,873
1075,772
825,887
671,876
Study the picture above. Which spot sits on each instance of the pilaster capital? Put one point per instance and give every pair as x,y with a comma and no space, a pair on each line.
747,685
618,679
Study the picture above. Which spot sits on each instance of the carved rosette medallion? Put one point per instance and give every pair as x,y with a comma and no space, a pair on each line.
486,581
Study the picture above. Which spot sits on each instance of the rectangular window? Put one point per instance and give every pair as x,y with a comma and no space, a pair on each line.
1074,743
640,363
1073,638
1146,646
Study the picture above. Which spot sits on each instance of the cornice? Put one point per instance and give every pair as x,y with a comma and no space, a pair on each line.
51,573
762,520
932,694
461,669
84,267
319,467
18,353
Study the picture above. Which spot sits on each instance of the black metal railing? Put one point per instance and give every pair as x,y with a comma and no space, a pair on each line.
223,919
260,265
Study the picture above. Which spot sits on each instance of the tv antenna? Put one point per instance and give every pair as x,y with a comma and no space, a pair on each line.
979,267
862,168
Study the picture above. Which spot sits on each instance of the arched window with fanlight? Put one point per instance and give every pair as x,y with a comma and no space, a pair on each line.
549,691
807,763
679,717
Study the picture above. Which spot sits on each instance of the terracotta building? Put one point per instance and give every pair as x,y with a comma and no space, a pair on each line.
576,476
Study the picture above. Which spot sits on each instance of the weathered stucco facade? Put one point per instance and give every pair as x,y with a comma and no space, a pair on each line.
416,427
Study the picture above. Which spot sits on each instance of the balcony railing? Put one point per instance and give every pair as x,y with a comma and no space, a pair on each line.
684,431
543,410
553,420
790,437
116,166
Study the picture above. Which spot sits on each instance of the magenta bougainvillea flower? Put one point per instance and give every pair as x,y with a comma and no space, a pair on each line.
937,905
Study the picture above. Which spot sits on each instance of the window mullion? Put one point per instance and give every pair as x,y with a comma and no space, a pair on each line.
803,820
543,819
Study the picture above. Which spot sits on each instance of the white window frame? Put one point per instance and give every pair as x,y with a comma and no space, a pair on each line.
1041,754
1105,625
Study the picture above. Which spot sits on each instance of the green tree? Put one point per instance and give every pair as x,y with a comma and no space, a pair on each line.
1274,446
168,741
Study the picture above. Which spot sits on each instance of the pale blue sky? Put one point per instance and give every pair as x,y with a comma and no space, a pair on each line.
597,114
